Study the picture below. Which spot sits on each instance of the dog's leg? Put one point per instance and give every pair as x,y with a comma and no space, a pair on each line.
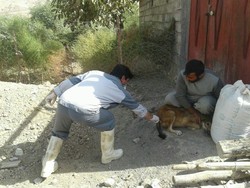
160,131
170,129
193,126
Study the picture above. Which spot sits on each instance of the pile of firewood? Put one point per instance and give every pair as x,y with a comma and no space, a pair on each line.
235,166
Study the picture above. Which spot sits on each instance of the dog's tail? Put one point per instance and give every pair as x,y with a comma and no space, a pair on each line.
162,135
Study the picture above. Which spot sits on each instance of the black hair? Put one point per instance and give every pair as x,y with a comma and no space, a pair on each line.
195,66
121,70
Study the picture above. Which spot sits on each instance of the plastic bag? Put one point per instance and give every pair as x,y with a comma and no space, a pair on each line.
231,118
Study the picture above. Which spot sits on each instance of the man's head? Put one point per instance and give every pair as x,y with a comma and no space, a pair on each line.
194,70
122,72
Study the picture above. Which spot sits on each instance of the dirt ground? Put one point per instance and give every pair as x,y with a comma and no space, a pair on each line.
26,123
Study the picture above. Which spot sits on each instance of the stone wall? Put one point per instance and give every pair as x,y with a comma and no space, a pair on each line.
159,14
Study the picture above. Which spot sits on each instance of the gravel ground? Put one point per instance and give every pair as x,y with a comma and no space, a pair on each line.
26,123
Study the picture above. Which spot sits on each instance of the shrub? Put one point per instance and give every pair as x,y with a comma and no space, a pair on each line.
33,41
45,15
7,45
25,44
96,49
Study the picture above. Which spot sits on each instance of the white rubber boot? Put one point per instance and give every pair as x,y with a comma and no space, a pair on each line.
48,162
107,147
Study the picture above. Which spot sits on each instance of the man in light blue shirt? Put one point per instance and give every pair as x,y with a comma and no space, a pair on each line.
86,99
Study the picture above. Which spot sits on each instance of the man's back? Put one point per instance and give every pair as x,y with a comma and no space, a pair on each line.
96,90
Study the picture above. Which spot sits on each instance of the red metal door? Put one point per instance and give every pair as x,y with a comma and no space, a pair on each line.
219,35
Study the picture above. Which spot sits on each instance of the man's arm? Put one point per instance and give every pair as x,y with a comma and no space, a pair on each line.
181,92
65,85
62,87
68,83
218,88
181,96
142,112
137,108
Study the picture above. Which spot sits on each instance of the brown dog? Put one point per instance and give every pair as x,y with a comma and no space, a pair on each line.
171,116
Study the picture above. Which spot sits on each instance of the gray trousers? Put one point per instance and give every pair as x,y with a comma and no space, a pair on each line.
103,120
205,104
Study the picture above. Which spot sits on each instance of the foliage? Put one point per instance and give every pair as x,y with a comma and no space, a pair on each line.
131,17
112,11
7,47
25,45
33,42
108,13
82,12
96,49
44,15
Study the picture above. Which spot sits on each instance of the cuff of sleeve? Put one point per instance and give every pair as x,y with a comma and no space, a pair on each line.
57,91
141,111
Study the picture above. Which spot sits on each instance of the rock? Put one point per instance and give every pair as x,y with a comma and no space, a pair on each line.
9,164
155,183
38,180
18,152
108,182
136,140
13,158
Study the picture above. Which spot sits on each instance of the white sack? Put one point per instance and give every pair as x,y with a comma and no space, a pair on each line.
231,118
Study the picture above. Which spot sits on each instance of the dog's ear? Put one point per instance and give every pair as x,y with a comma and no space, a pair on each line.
162,135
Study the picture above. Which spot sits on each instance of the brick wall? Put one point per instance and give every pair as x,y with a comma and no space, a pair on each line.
159,14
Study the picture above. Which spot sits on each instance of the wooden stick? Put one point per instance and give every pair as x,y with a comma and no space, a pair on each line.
189,166
237,185
214,166
202,176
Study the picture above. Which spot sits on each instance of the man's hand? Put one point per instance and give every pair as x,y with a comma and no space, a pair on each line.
51,98
155,119
150,117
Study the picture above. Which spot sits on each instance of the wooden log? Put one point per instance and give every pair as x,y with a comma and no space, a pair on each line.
202,176
214,166
226,166
237,185
238,148
209,175
189,166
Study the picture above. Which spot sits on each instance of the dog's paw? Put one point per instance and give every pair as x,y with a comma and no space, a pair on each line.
162,136
178,133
